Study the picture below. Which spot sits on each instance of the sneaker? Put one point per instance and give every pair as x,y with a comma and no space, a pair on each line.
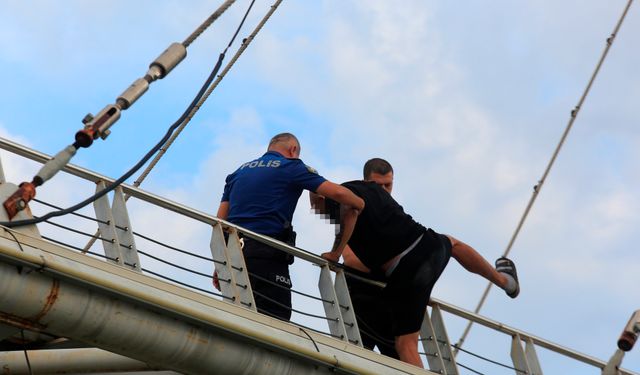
506,266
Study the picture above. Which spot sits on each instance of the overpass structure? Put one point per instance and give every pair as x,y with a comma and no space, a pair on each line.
133,304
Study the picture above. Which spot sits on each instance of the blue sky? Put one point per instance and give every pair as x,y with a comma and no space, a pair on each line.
466,100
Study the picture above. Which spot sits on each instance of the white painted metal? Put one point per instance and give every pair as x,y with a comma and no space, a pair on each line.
532,357
503,328
430,345
70,361
331,305
613,366
123,230
131,314
238,267
2,178
348,313
211,220
442,340
221,265
107,226
518,356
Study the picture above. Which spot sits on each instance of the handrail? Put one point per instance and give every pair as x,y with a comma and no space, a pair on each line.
317,260
497,326
160,201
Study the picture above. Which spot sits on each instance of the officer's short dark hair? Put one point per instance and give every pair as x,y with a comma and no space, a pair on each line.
376,165
283,137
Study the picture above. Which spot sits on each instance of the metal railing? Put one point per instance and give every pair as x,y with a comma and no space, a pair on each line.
125,246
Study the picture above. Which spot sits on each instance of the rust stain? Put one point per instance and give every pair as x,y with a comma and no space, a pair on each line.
192,335
20,322
51,300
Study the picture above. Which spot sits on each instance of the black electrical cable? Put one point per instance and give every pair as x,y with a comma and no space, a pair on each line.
469,368
489,360
292,290
185,284
146,157
173,264
294,310
178,250
79,249
26,356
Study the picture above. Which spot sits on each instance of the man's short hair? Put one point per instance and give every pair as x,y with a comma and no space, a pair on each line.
282,137
376,165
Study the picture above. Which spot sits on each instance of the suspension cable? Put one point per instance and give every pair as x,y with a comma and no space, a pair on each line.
155,149
538,186
196,108
197,32
490,360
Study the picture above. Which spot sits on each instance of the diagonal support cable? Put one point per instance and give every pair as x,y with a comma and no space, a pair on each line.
538,186
196,108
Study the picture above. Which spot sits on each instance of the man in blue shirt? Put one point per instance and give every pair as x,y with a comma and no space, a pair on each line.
261,195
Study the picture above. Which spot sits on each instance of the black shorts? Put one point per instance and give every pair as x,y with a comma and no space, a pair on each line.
270,280
409,287
373,314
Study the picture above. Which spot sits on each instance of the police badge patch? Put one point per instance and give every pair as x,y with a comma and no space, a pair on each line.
311,169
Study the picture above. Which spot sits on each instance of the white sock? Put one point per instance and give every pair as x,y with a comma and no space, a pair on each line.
511,283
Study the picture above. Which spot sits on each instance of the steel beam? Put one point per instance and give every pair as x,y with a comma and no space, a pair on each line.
125,312
70,361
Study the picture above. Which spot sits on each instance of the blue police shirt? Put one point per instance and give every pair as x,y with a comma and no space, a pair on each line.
263,193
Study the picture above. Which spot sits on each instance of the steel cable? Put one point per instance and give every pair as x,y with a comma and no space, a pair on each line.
538,187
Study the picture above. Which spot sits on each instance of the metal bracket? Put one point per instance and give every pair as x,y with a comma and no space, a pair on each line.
238,269
123,230
331,304
107,227
221,264
349,315
436,344
525,359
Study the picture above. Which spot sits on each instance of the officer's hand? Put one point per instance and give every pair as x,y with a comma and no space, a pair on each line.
216,282
334,257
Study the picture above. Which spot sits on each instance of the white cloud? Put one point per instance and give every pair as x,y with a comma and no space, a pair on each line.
467,115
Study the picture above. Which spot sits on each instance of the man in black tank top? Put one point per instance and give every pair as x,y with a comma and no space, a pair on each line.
373,311
412,257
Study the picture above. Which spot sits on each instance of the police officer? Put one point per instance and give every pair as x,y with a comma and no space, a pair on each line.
261,195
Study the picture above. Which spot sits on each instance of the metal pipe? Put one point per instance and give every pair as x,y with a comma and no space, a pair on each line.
69,361
103,305
205,218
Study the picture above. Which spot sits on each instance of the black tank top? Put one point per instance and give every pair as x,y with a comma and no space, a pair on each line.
383,229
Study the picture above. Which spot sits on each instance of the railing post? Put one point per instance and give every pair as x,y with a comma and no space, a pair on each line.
2,178
239,273
612,367
124,232
435,342
107,227
348,313
519,357
221,264
532,357
430,345
331,304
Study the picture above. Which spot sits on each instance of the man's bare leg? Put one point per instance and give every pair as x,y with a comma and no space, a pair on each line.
407,348
472,261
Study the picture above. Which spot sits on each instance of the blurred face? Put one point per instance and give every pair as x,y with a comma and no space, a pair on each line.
384,180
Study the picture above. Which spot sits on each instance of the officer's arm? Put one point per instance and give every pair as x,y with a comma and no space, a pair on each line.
341,195
223,210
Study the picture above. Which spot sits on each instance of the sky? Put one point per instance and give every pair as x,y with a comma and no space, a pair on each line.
467,101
